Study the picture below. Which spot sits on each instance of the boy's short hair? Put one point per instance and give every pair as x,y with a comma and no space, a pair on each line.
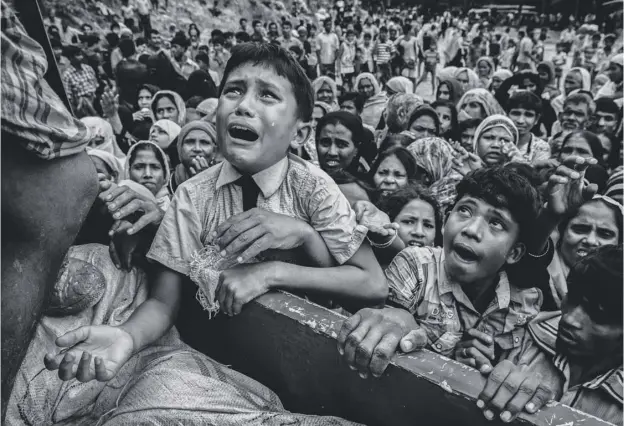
350,32
127,48
581,98
508,188
407,28
281,61
286,23
256,22
180,40
241,20
218,39
597,279
296,50
368,35
243,36
194,101
383,29
356,97
526,100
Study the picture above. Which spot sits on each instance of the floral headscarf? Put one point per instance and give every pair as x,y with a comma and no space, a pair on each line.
484,98
102,128
319,82
435,156
178,101
172,130
473,79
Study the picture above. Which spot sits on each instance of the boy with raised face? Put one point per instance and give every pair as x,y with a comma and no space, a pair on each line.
524,108
457,300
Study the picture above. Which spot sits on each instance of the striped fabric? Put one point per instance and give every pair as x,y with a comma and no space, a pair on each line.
31,110
418,283
601,396
383,52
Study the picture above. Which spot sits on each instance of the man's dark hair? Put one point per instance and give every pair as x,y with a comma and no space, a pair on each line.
356,97
505,187
202,56
193,101
256,22
127,48
56,43
596,280
525,99
284,65
216,33
218,39
383,29
114,25
471,123
406,29
180,40
243,37
72,51
154,32
241,20
286,24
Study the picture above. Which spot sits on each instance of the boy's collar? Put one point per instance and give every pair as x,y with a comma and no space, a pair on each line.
268,180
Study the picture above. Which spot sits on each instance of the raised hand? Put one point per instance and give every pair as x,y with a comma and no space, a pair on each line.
92,353
567,189
378,223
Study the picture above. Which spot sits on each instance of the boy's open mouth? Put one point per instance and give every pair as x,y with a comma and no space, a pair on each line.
245,133
465,253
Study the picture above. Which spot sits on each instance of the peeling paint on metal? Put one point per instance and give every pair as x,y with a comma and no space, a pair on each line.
444,385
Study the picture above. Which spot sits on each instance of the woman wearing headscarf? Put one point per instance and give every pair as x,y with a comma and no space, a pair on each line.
325,90
106,164
495,141
435,156
156,176
207,109
197,150
376,99
478,103
576,79
399,85
200,83
103,137
546,72
446,73
467,78
163,133
484,69
450,90
497,80
168,105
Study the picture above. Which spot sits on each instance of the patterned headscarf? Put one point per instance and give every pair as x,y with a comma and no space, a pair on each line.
484,98
435,156
492,122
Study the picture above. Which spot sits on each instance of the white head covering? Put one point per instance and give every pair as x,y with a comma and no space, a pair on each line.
172,129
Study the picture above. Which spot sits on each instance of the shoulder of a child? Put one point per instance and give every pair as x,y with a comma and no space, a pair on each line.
420,255
204,181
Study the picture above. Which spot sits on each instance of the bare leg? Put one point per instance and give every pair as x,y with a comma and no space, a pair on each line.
45,204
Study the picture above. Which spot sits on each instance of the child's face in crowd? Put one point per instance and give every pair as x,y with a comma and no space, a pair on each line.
325,94
595,225
366,87
159,136
586,330
524,119
166,110
444,93
474,110
383,36
335,148
423,127
145,99
444,113
349,106
390,174
574,116
257,118
197,144
467,138
479,239
351,37
147,170
573,81
490,145
606,122
417,225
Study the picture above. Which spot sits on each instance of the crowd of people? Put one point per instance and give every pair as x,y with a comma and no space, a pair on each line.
482,221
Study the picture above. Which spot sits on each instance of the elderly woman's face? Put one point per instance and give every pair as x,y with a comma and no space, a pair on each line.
490,146
336,148
197,145
325,94
484,68
390,175
366,87
573,81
